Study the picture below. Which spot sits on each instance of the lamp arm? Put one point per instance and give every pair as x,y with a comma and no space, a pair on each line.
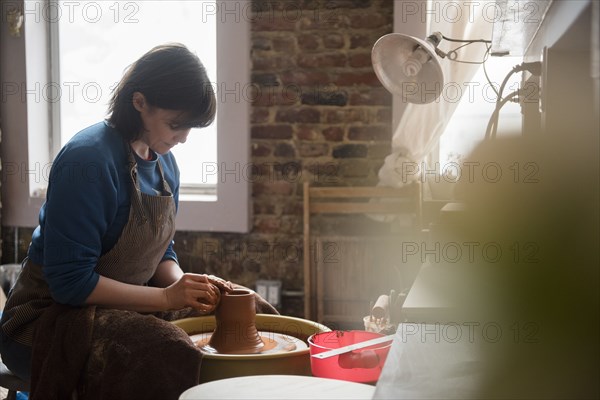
440,53
452,55
466,40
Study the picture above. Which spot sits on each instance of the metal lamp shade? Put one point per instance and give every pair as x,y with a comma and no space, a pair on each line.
389,56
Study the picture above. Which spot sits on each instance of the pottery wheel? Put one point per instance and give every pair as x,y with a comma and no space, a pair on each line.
274,343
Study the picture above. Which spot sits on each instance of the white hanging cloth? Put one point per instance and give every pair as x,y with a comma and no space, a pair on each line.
421,125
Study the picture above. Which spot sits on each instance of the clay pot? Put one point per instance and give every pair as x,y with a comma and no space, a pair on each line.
236,331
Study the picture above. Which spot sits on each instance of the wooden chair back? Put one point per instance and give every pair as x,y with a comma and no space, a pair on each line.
349,200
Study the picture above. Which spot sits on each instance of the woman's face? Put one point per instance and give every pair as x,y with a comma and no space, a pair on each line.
162,128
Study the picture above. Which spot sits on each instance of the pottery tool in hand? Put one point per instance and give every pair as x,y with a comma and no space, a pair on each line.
352,347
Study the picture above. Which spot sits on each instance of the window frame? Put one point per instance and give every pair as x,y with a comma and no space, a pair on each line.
26,150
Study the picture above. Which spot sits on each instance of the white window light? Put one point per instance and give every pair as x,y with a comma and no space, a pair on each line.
91,44
467,126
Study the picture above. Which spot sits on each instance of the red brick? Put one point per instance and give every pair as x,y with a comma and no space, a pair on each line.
271,132
259,172
325,97
261,43
324,173
284,44
325,19
346,115
306,133
308,42
267,224
292,207
290,172
350,151
354,168
357,78
304,78
321,60
384,115
333,134
273,22
263,207
272,171
259,115
333,41
262,79
369,21
361,41
302,115
289,225
370,132
271,62
372,97
360,60
313,149
266,7
274,95
284,150
260,150
272,188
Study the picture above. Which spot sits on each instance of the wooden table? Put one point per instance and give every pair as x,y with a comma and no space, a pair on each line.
279,387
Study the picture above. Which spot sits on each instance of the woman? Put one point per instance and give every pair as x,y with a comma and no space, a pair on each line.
102,257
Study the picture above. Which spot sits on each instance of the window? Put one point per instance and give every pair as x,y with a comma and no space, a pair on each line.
120,34
67,87
468,123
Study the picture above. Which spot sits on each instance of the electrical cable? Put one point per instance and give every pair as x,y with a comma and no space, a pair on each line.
490,131
485,58
534,68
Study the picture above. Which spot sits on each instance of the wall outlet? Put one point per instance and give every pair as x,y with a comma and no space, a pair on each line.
270,290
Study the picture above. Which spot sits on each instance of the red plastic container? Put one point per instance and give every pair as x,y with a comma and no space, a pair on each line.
362,365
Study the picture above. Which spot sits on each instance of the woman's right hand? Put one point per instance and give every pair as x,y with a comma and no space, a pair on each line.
221,284
193,290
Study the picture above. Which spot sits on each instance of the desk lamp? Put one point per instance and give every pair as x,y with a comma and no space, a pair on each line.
409,67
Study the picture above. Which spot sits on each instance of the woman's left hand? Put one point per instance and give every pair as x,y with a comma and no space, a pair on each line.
193,290
221,284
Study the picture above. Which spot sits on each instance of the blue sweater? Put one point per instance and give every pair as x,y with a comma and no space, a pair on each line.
87,207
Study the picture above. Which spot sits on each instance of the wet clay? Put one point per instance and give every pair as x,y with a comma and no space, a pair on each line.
270,344
236,331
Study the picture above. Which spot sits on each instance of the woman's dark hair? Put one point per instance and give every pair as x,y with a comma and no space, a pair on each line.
170,77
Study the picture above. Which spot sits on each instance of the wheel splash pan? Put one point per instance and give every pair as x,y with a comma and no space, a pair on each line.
221,366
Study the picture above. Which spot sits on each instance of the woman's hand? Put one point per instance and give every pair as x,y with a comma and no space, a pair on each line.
200,292
222,284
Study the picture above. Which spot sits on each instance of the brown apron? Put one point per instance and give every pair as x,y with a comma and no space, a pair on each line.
133,259
145,237
112,341
133,355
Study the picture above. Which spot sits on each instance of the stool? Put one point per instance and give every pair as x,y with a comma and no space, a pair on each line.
12,382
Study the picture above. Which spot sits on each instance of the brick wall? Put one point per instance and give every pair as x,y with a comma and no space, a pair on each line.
318,114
